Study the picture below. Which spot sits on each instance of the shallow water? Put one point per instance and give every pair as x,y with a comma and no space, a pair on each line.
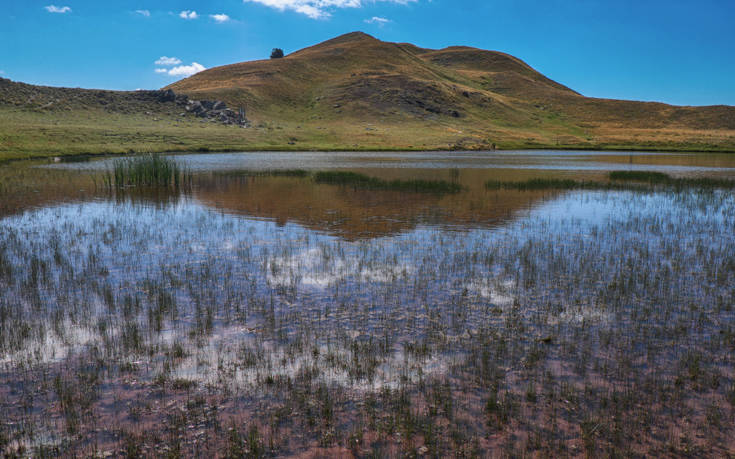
675,163
247,279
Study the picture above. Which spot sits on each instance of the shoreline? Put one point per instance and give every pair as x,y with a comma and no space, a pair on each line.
72,156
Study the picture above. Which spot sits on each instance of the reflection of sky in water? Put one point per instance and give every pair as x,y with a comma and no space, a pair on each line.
527,160
562,254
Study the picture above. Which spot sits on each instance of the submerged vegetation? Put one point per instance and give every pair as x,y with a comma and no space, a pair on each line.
357,181
295,173
542,184
365,182
641,176
619,180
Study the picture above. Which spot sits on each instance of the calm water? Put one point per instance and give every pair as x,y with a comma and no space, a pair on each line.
281,279
675,163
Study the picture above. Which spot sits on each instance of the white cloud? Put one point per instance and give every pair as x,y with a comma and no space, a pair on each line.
184,70
187,14
178,70
145,13
163,60
220,18
377,20
57,9
319,9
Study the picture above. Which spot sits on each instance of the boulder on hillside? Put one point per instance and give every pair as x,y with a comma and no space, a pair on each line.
215,110
167,95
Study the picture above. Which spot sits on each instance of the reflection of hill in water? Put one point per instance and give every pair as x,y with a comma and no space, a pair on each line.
343,211
23,187
27,188
353,213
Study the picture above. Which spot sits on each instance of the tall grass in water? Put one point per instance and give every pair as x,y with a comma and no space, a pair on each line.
147,171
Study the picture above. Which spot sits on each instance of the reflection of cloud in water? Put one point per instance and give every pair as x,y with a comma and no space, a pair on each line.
581,313
50,347
495,291
500,293
319,268
233,355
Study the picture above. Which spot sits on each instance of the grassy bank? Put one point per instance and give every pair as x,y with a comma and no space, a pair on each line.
38,134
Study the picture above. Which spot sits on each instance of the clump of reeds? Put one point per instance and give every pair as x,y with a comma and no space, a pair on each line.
147,171
373,183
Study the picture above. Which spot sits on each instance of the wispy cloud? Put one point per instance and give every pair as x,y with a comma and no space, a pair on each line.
188,14
183,70
319,9
58,9
377,20
163,60
145,13
220,18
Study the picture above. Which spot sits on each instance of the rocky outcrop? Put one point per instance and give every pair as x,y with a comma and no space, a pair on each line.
216,110
162,96
150,102
213,110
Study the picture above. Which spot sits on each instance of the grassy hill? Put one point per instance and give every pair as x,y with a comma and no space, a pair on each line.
357,92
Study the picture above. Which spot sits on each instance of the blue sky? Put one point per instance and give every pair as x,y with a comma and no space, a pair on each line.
675,51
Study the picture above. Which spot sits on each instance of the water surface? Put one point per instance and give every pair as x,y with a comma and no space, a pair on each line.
330,310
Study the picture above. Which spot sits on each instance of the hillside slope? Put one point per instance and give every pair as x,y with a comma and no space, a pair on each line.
359,78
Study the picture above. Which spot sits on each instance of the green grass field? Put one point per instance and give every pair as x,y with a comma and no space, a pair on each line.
30,134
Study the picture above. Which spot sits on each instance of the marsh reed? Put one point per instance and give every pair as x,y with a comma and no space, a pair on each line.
147,171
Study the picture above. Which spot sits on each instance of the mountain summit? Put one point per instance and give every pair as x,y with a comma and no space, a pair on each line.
358,75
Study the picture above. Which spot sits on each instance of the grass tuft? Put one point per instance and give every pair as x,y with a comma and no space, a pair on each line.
147,171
